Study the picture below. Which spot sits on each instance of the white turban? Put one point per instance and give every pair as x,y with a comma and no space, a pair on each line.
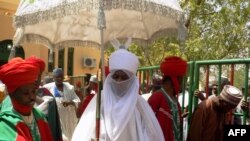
123,60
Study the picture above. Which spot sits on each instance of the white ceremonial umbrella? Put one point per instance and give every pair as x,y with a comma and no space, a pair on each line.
64,23
67,23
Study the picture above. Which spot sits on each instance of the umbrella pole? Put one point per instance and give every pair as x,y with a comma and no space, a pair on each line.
101,26
12,53
98,103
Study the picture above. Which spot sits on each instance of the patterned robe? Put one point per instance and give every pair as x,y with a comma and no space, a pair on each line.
13,128
162,110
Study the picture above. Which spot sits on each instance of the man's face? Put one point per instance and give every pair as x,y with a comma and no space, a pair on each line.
25,94
214,89
58,79
120,76
121,82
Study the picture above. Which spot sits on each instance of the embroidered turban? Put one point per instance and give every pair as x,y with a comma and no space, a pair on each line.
123,60
231,94
174,67
18,72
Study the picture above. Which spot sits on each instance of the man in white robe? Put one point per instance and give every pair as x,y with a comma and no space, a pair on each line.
66,100
125,115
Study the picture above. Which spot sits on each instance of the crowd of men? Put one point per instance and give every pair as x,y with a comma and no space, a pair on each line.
57,111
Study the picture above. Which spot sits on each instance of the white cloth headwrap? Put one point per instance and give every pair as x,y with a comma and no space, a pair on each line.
118,110
123,60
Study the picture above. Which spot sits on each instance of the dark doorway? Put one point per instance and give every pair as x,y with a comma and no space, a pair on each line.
5,47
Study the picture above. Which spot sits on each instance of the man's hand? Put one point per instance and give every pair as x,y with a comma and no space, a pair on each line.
66,103
199,94
184,114
244,105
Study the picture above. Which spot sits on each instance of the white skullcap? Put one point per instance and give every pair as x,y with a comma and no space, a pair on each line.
93,78
231,94
123,60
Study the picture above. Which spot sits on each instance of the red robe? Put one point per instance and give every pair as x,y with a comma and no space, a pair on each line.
83,105
162,111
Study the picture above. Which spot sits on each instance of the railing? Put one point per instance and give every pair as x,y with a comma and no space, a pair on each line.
230,63
194,79
145,75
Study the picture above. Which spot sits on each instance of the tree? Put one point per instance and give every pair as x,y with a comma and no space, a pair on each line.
217,29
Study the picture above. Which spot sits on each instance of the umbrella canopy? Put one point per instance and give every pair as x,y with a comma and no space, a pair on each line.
63,23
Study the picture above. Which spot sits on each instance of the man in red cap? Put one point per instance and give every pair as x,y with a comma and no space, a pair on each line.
44,101
24,123
164,102
32,60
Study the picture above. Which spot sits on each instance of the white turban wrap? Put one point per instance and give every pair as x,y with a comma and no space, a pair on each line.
123,60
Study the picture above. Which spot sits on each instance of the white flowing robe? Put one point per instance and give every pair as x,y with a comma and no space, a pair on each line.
127,118
67,114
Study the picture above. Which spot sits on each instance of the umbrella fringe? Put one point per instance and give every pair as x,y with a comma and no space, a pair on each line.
72,8
38,39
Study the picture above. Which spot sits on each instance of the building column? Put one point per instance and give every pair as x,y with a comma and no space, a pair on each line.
56,58
65,69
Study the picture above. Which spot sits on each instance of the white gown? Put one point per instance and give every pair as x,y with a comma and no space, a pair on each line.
67,115
123,118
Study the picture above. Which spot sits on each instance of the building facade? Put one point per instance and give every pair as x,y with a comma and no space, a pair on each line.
76,61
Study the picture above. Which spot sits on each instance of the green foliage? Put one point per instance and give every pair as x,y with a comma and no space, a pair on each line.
239,78
30,1
216,30
153,54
